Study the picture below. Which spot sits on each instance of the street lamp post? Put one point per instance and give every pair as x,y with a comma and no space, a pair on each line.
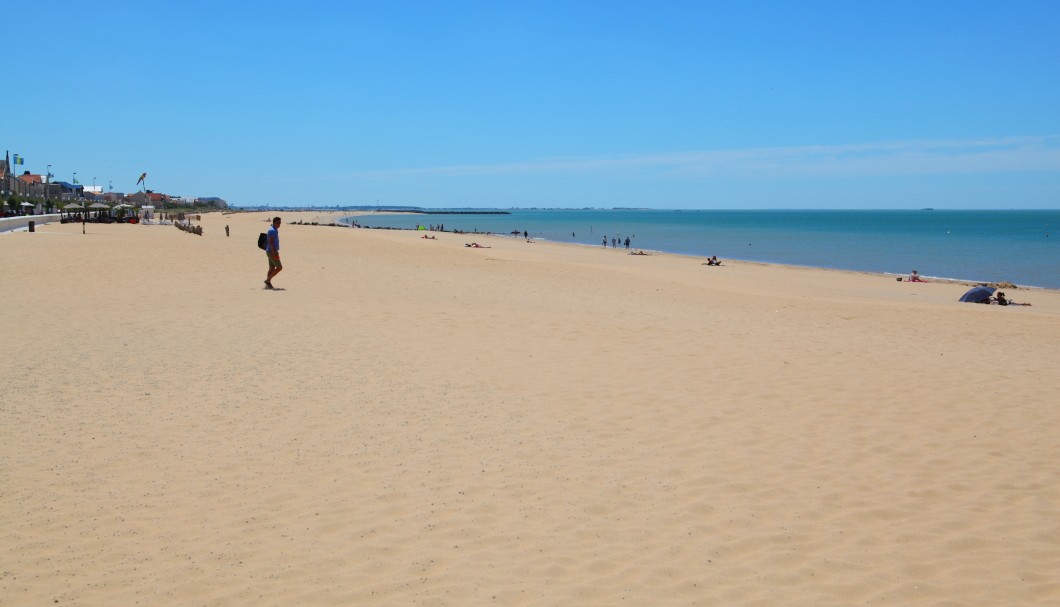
47,188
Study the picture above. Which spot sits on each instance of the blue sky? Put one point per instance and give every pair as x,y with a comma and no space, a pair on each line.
712,105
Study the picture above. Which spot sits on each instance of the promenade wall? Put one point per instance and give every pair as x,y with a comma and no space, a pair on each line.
10,224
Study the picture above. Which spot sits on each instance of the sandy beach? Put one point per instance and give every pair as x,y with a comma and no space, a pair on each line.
406,421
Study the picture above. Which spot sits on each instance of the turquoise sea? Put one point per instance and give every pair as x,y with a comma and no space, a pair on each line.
1022,247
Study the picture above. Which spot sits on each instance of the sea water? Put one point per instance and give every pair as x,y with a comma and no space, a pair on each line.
1022,247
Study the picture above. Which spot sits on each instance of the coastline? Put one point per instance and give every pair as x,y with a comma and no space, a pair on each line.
874,241
942,279
407,420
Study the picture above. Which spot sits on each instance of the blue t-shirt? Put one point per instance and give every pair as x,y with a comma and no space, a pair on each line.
273,241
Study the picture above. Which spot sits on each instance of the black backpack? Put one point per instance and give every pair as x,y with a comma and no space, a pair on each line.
263,240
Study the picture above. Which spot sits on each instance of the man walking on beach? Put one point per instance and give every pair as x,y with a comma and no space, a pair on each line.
272,250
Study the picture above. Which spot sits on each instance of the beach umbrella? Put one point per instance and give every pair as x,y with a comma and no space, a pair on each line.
978,294
27,204
73,205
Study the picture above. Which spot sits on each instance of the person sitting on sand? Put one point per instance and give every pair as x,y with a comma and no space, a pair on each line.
426,237
914,277
475,245
1001,300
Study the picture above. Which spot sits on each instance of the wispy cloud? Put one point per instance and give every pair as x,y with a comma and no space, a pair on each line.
916,157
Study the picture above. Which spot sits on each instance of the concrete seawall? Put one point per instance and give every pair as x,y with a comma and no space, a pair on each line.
12,224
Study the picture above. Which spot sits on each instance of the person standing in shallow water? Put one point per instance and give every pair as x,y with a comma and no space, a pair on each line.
272,250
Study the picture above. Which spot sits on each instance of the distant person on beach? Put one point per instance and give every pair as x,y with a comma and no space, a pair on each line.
226,231
272,251
627,243
915,277
475,245
1001,300
605,242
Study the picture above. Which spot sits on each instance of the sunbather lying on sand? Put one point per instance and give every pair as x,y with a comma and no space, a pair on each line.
640,253
476,245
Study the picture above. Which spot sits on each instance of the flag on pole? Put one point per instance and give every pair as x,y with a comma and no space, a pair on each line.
18,160
141,179
75,181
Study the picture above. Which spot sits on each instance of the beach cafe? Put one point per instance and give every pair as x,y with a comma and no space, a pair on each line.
97,212
71,213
